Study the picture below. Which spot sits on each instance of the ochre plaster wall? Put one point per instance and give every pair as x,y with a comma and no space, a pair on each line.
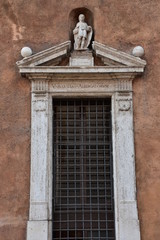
40,24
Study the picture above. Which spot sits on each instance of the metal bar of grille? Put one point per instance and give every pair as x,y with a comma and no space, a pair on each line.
83,201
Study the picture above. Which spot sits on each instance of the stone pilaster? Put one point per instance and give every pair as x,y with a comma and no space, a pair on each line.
127,224
38,228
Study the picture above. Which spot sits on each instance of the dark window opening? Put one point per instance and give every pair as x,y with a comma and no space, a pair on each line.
83,204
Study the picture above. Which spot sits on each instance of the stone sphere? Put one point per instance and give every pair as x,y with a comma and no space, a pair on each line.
26,52
138,51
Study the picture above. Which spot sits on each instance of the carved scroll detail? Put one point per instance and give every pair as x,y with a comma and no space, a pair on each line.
39,106
124,104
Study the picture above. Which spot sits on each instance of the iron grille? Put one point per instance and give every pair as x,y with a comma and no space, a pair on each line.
83,205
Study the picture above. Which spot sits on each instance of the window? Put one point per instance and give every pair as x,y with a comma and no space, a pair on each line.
111,80
83,204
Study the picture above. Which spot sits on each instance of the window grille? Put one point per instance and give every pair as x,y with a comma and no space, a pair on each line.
83,205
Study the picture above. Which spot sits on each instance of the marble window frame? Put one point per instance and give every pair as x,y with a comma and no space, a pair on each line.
43,90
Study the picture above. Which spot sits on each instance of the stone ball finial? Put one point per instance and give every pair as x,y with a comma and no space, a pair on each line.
138,51
26,52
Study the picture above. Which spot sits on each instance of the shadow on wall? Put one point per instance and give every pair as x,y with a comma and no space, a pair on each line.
73,19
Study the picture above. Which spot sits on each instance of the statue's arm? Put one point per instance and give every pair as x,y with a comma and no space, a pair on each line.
89,28
75,31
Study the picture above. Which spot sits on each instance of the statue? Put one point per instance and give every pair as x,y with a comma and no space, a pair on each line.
82,34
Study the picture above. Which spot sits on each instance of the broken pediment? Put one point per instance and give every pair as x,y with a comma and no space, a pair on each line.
101,59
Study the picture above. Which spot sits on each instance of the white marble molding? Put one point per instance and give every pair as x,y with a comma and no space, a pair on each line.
114,80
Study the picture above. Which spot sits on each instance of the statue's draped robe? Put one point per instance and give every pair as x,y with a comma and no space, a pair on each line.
80,31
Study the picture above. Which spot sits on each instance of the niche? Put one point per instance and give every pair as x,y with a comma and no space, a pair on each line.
73,19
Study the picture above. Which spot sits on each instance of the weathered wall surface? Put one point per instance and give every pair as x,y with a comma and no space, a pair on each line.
41,24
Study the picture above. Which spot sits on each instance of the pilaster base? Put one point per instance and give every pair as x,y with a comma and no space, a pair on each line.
37,230
128,221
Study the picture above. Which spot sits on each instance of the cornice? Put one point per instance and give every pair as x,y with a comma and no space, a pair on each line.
81,72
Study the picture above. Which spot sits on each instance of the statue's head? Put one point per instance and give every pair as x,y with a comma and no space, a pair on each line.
81,17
